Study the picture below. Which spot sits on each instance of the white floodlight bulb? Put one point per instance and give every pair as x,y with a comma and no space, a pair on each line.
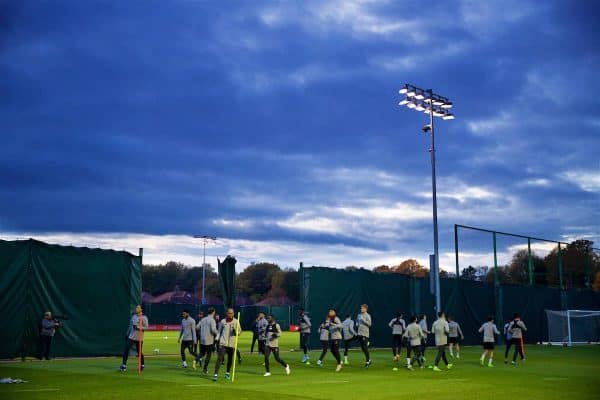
403,90
437,102
419,107
411,104
447,105
404,102
448,116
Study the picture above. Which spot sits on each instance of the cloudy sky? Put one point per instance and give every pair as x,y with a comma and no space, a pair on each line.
275,126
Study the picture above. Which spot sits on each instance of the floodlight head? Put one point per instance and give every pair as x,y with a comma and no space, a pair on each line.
447,105
437,102
403,90
404,102
411,104
426,128
419,107
419,96
448,116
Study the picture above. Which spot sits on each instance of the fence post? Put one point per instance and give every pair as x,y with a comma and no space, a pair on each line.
456,251
497,288
560,268
495,260
529,261
301,284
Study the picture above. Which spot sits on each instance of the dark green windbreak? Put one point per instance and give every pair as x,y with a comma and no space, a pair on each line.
96,289
470,302
227,280
14,296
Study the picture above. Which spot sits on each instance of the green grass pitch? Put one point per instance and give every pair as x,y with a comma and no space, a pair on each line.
548,373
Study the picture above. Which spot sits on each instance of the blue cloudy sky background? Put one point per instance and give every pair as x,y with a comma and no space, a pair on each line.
275,127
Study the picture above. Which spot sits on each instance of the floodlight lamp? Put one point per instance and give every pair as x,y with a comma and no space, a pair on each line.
447,105
438,113
437,102
404,102
448,116
419,107
419,96
411,104
403,90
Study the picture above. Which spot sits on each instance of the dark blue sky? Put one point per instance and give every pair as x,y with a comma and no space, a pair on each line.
275,126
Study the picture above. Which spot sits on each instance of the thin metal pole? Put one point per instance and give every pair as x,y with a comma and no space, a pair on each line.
456,250
529,261
495,260
438,305
569,326
203,270
560,268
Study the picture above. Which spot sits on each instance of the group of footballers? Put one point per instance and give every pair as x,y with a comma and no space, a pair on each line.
211,334
446,331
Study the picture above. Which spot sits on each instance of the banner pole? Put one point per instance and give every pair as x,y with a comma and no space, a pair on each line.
237,335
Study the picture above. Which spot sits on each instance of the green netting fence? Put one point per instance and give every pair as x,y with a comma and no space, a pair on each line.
96,289
470,302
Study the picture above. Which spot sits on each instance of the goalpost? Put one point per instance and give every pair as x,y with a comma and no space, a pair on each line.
573,327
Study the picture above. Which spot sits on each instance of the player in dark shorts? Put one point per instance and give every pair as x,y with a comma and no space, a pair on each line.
489,331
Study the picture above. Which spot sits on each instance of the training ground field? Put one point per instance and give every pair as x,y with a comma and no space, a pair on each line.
548,373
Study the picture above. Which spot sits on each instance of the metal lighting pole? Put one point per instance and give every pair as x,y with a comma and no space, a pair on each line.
436,106
205,240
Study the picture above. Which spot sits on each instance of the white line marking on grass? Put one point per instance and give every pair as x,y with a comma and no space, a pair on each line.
329,381
38,390
555,378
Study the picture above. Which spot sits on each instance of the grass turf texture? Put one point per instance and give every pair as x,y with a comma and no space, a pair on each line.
548,373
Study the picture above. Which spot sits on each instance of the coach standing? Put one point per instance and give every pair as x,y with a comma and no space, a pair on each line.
47,332
135,336
363,322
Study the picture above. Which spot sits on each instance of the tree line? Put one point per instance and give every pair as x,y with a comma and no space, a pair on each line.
257,281
261,280
581,268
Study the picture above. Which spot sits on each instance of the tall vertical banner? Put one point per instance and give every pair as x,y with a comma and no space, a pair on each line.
227,280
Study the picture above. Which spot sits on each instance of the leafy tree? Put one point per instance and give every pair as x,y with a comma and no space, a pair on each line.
502,275
382,269
518,269
256,280
291,284
579,264
158,279
411,267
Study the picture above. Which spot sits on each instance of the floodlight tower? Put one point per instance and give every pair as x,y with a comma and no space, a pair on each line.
205,239
428,102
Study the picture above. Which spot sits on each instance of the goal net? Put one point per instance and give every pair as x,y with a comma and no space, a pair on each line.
573,327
